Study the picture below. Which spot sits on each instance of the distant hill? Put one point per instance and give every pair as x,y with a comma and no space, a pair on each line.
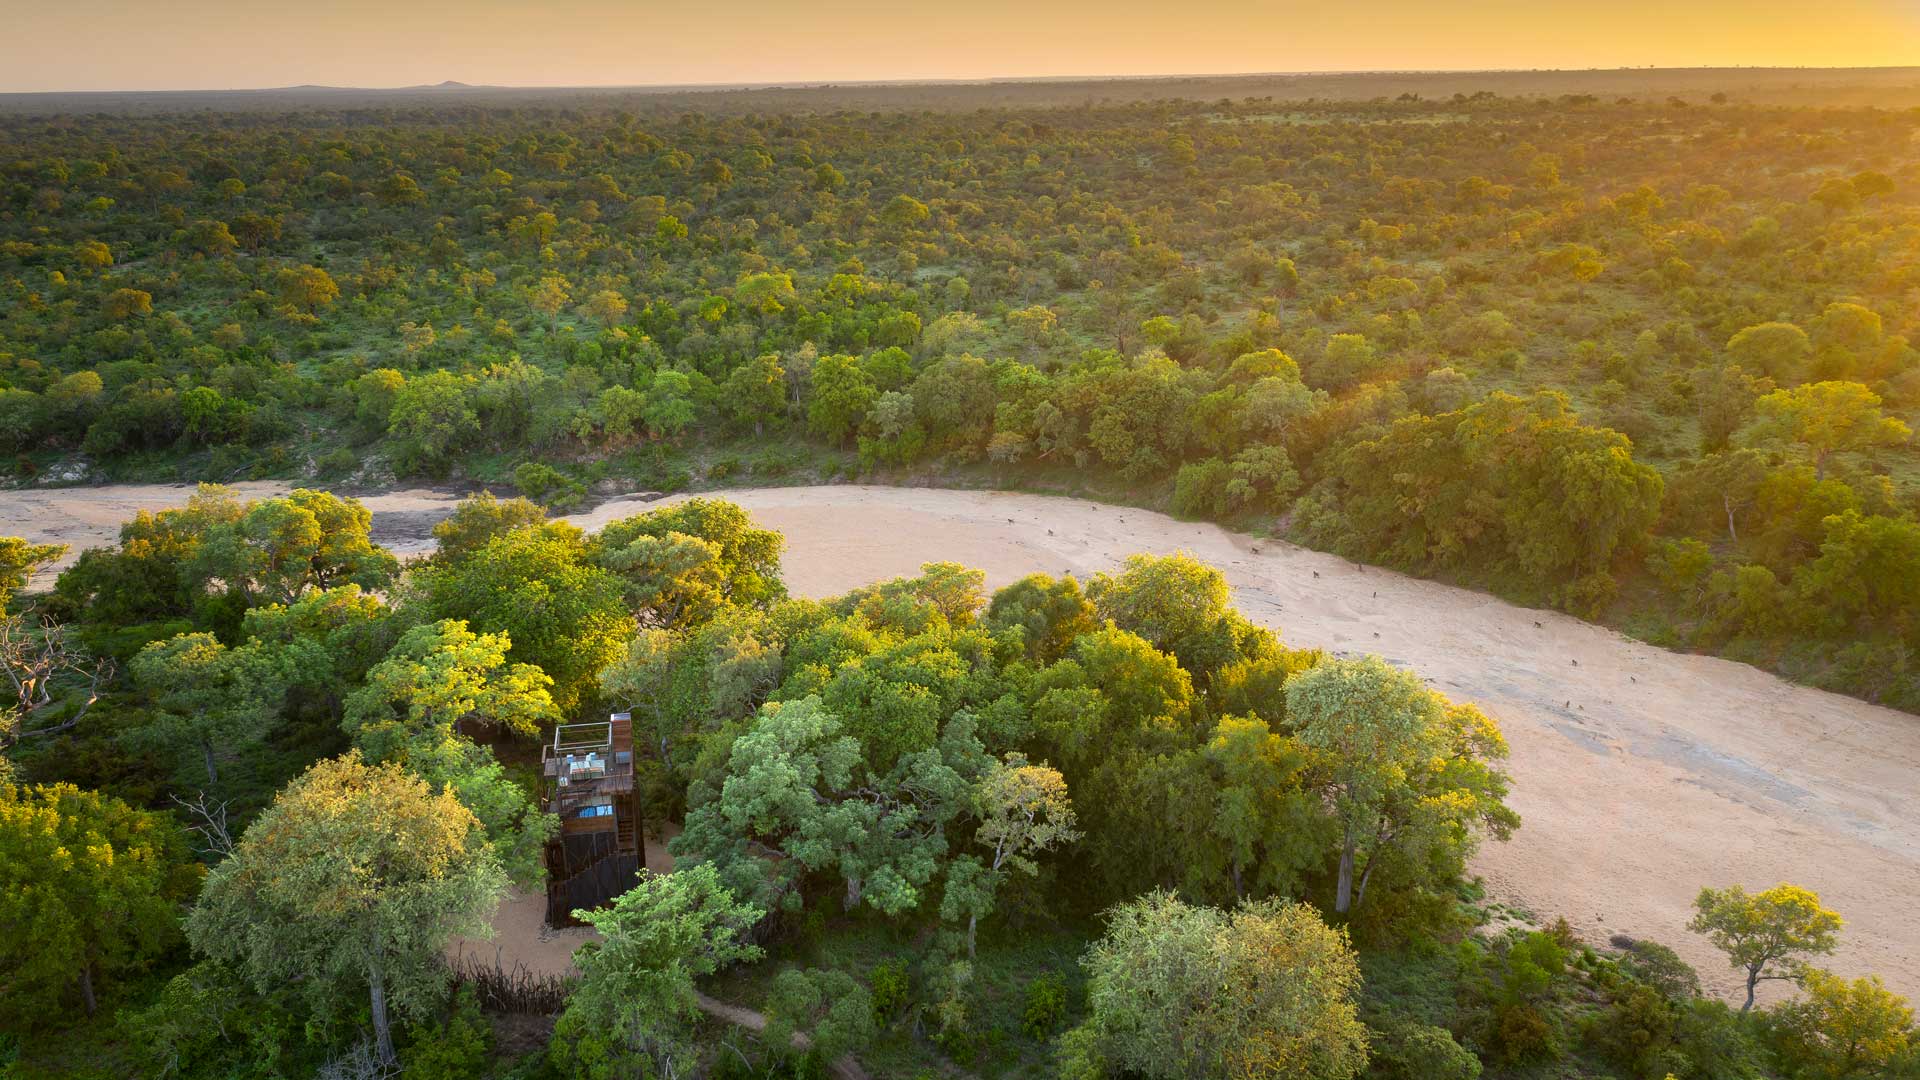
1857,87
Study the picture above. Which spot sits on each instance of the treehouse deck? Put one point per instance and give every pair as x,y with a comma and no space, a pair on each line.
587,781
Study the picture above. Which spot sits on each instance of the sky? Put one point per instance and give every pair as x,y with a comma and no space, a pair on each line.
232,44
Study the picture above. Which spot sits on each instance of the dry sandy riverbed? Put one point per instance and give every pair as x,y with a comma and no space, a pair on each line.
1641,774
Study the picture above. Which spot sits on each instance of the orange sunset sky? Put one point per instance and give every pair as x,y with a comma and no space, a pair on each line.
219,44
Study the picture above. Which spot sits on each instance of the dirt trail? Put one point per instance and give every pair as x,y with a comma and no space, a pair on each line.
1641,774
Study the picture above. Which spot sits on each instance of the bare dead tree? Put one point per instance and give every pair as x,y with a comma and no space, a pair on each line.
208,820
44,669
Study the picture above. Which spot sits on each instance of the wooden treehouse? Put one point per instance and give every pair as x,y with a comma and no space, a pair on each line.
587,782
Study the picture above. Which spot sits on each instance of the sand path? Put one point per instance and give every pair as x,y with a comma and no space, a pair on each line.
1641,774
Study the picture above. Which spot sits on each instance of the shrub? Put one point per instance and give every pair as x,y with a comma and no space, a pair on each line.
1522,1033
548,486
891,988
1200,489
1661,968
1046,1005
1410,1051
454,1050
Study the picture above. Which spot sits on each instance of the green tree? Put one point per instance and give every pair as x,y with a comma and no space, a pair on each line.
409,711
755,393
830,1008
796,796
1049,612
354,878
1778,350
605,307
564,614
1844,1030
278,550
90,890
306,288
20,560
123,304
632,1013
1266,819
749,556
1824,418
1266,989
1403,768
478,519
842,394
1023,811
434,417
549,295
441,675
1768,934
213,700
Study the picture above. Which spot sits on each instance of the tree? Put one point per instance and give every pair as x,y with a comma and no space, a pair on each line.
1023,811
1576,261
1265,822
1049,612
1166,599
1767,934
123,304
755,392
353,878
632,1013
1266,989
673,581
748,562
765,292
1403,768
669,405
90,889
905,211
842,394
1869,567
830,1010
605,307
441,675
1846,1030
478,519
564,614
278,550
213,700
1825,417
20,560
433,413
51,681
306,288
548,295
797,796
1779,350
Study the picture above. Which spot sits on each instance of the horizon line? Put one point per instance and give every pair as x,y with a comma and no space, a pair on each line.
456,86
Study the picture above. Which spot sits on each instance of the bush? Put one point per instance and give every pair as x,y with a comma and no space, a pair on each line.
454,1050
548,486
1522,1033
341,462
1636,1033
1077,1056
891,989
1409,1051
1046,1005
1200,489
1661,968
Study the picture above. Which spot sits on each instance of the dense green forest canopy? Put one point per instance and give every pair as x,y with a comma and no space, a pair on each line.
1646,361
